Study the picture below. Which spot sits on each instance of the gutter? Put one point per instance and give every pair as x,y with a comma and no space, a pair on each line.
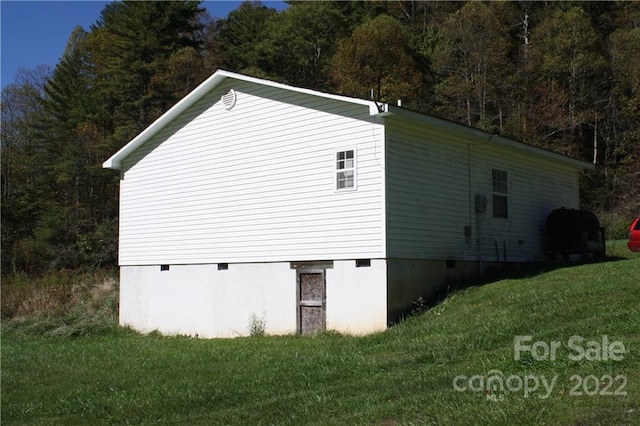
465,131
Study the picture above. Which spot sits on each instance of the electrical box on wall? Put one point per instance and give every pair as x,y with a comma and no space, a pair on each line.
481,204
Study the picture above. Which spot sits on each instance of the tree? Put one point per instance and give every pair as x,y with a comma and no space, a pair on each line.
621,136
71,222
300,42
377,58
24,186
240,34
569,61
179,74
472,59
625,62
140,37
68,109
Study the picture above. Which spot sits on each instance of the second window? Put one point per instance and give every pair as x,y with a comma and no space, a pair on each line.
500,193
345,170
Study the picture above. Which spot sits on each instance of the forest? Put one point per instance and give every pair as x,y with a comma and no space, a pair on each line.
564,76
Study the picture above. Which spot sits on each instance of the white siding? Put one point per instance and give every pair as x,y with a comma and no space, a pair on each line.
536,187
433,176
256,183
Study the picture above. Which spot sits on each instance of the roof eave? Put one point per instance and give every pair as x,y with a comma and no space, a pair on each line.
115,161
492,138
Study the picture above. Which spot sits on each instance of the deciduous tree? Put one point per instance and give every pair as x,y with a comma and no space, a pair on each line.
472,58
301,42
569,60
377,58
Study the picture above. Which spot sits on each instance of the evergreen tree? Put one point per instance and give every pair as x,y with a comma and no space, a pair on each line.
141,36
240,34
76,212
25,187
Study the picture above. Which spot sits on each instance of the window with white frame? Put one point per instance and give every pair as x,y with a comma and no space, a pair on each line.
345,170
499,189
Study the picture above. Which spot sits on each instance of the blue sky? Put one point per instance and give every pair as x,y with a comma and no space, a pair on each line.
36,32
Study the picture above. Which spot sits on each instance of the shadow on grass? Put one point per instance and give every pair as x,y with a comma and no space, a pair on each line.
508,271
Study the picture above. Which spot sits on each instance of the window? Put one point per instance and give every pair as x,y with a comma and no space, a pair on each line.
223,266
500,193
345,170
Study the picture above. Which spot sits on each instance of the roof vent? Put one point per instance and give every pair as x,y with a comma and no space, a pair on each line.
229,99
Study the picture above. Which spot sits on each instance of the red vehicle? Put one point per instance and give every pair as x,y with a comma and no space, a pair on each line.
634,235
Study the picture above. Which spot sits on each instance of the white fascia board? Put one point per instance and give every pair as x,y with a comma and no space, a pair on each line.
115,161
489,137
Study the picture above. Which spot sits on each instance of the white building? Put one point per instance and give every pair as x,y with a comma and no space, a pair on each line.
251,200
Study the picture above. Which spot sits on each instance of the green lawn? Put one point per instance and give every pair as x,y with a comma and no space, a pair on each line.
404,375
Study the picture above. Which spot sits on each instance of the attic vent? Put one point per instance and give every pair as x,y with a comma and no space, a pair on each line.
229,99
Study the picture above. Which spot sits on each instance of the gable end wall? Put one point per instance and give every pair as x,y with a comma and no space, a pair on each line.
254,184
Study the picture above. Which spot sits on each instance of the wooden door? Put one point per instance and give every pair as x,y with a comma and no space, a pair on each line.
311,302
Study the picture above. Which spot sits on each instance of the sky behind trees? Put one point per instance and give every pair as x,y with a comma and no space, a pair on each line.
36,32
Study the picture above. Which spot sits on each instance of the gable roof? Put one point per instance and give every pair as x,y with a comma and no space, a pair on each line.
375,108
115,162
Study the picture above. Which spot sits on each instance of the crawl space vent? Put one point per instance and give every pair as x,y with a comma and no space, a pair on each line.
229,99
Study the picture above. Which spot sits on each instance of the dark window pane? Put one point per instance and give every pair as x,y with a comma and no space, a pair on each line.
499,181
500,206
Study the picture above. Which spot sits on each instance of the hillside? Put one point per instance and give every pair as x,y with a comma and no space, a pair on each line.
562,76
411,373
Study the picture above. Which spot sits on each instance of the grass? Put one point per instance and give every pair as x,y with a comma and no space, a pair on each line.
61,303
401,376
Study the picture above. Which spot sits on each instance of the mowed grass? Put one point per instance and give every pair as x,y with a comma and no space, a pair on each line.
404,375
